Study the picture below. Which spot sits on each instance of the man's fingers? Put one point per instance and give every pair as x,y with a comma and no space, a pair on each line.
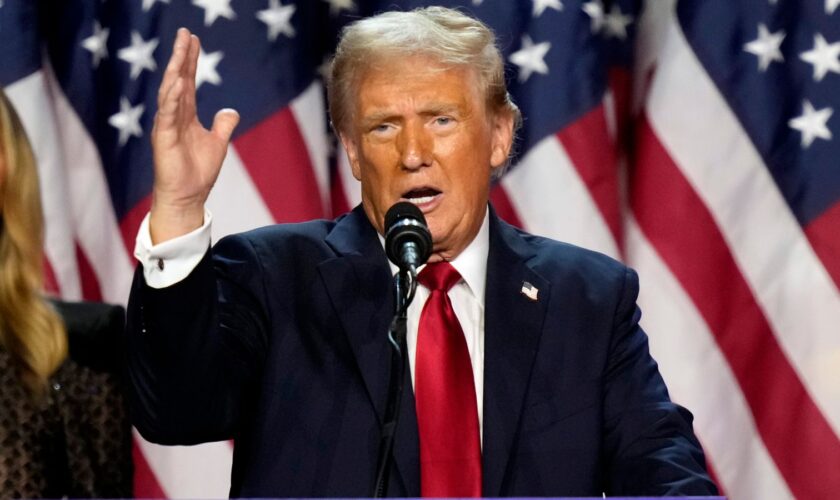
166,118
224,123
172,99
176,62
188,73
192,57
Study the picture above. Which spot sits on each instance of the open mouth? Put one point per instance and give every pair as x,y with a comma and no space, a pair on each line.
421,196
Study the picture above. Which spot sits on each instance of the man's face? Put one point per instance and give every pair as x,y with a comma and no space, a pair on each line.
422,133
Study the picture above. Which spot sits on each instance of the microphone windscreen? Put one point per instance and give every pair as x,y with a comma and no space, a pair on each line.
405,225
402,210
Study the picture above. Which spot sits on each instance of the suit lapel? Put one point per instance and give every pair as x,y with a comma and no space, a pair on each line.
358,281
512,326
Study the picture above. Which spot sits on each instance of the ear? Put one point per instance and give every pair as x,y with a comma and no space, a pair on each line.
502,139
352,151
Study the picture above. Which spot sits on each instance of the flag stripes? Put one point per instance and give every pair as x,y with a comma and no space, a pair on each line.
278,161
707,271
550,198
145,483
824,236
733,446
587,142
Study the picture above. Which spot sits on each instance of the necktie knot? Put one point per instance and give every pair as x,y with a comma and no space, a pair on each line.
439,276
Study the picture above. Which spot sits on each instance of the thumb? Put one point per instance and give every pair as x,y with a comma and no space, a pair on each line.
224,122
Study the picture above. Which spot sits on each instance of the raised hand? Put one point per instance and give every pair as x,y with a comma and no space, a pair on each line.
187,157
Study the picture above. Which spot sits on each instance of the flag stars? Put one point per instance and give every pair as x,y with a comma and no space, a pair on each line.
595,10
127,121
278,19
336,6
812,123
824,57
616,22
214,9
148,4
766,47
139,54
97,43
530,58
206,70
831,6
541,5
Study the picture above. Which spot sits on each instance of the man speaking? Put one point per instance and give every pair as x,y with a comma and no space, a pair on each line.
529,374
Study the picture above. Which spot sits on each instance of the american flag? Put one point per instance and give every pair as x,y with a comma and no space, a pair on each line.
694,139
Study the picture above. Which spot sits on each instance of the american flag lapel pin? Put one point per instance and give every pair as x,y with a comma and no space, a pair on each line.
529,291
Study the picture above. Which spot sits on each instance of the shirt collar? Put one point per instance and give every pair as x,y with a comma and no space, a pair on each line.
471,264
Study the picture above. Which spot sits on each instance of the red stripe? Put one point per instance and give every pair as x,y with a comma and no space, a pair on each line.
588,143
275,155
145,483
50,281
90,283
503,206
130,223
675,220
824,235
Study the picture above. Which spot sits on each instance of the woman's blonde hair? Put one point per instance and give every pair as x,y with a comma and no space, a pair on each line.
30,330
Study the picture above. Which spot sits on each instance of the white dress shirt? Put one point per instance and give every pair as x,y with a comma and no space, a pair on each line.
171,261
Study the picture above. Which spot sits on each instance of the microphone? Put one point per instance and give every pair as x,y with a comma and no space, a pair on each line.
408,242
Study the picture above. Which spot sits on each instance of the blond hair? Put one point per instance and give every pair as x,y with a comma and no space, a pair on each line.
446,35
30,330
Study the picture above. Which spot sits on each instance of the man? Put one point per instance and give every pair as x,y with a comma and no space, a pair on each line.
530,374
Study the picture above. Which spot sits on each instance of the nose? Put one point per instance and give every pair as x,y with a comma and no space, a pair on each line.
415,147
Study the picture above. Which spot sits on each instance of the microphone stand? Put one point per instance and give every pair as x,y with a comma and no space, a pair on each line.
405,284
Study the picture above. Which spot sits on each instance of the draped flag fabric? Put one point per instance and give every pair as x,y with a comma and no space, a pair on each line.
693,139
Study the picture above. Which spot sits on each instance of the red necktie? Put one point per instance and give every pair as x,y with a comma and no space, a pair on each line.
444,393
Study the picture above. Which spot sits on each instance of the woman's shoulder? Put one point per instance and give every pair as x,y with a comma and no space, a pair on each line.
94,333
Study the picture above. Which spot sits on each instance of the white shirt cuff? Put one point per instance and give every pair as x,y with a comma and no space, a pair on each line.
171,261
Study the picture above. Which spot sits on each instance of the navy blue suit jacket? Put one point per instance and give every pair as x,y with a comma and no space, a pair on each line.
278,341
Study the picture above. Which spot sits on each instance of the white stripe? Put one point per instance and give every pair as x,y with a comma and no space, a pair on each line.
699,378
94,220
201,471
310,113
30,97
235,201
788,280
551,199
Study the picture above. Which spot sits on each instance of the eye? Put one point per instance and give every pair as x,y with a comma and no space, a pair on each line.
382,130
443,120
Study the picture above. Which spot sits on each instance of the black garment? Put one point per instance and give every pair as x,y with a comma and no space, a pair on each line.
277,339
76,440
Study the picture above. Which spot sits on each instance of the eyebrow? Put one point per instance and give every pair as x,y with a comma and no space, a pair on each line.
440,109
432,109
